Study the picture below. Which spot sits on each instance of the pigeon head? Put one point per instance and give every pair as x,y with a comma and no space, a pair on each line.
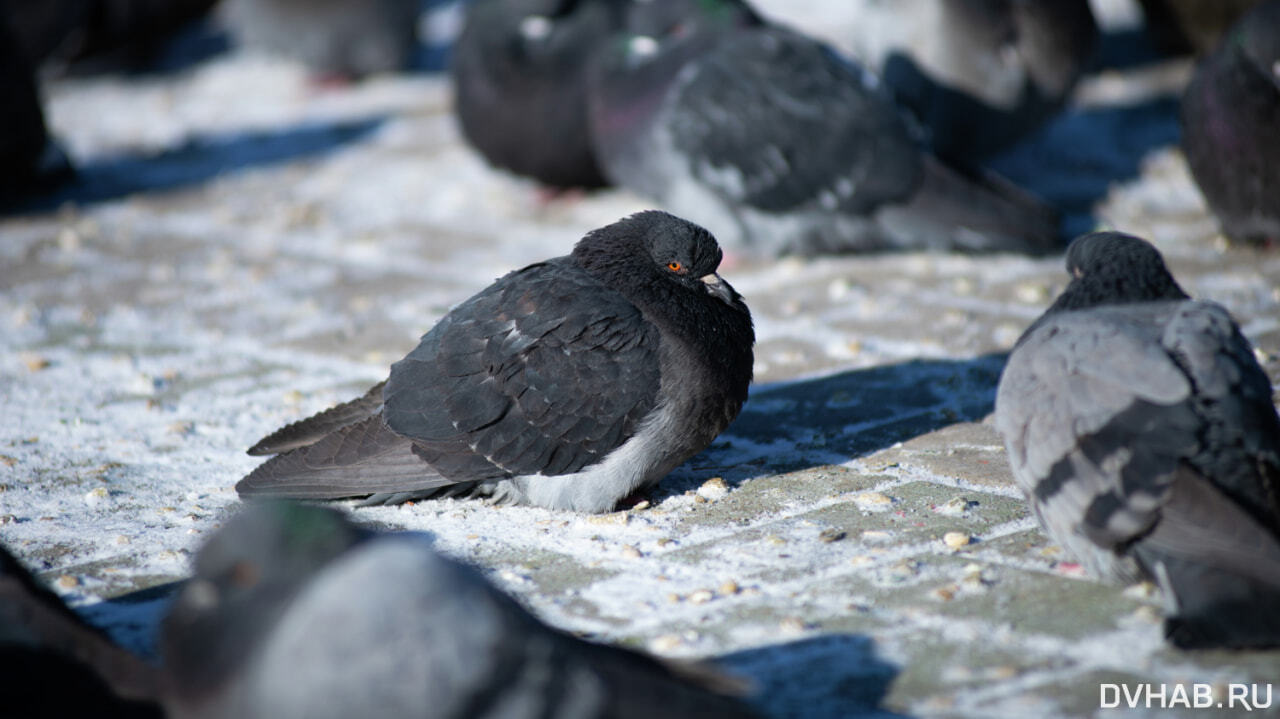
654,246
1110,268
245,576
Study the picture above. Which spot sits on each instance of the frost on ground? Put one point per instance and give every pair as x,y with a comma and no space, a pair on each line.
245,250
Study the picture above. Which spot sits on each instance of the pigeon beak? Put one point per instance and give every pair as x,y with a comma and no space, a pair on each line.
718,288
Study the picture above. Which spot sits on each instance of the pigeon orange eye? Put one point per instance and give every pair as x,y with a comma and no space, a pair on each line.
675,266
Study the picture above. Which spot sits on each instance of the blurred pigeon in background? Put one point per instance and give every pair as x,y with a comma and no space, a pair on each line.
978,75
30,161
345,38
113,33
295,612
1142,430
519,72
1230,126
54,664
779,145
1180,27
569,384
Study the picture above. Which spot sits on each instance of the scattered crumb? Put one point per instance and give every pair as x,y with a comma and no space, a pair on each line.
831,535
713,489
34,362
872,501
701,596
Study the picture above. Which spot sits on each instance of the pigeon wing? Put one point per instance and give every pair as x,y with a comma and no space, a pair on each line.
358,459
1096,416
545,372
1241,447
1218,566
779,122
312,429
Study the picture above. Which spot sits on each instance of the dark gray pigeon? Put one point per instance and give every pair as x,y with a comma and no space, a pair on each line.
97,35
978,75
1191,26
519,73
336,37
30,162
1142,430
778,145
295,612
54,664
569,384
1230,116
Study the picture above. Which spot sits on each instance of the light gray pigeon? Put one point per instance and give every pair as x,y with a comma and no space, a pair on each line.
294,612
778,145
1142,430
569,384
338,37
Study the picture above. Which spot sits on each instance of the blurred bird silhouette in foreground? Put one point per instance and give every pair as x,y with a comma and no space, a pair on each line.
293,611
54,664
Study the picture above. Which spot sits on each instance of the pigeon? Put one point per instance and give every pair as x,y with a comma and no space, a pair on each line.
98,35
30,162
293,611
1142,431
55,664
1230,112
519,72
1179,27
979,76
340,38
780,146
569,384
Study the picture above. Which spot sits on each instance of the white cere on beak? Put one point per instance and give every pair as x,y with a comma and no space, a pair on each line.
642,46
535,27
718,288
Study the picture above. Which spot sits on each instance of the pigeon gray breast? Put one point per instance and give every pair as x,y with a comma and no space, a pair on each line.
55,664
779,145
322,619
568,384
519,71
343,37
1230,112
1142,430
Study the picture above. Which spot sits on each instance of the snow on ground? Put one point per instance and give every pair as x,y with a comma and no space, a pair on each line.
246,249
